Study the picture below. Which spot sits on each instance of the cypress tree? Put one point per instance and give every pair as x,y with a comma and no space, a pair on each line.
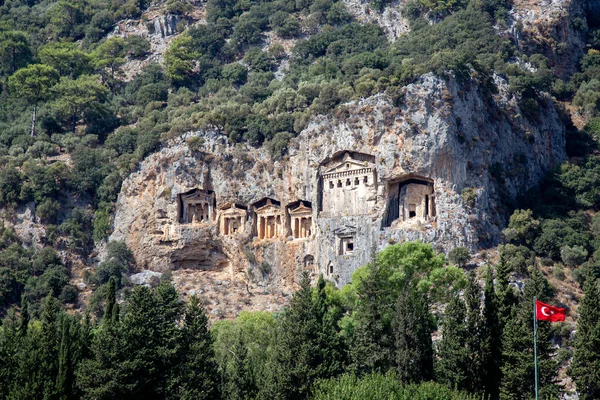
111,309
452,367
49,346
64,379
491,340
24,318
372,341
517,347
412,335
505,293
475,336
585,368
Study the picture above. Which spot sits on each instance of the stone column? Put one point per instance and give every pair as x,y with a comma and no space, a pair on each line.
295,224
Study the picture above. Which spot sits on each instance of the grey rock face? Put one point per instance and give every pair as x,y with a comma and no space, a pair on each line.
472,145
146,278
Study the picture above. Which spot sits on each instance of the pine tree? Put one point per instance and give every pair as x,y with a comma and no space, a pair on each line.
517,347
452,367
195,377
585,368
239,383
134,356
491,340
412,334
307,346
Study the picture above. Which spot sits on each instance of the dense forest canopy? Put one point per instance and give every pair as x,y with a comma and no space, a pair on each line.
73,126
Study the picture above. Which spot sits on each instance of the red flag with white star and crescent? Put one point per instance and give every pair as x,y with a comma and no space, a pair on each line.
546,312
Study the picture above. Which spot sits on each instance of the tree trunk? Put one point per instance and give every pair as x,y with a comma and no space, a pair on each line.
33,120
74,119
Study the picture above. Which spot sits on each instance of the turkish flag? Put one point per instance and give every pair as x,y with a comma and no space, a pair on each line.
546,312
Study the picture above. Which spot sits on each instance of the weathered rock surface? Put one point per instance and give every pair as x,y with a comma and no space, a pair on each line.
146,278
555,28
390,18
456,136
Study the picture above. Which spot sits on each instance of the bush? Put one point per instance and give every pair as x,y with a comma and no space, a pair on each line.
279,144
469,195
102,225
522,228
558,272
573,255
137,46
459,256
68,295
517,258
47,211
235,73
290,28
377,386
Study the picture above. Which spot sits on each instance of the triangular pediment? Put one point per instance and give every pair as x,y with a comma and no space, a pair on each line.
301,209
268,208
347,165
346,230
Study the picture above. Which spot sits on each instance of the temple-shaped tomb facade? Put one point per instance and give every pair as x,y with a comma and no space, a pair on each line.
196,206
301,221
410,200
348,185
232,219
268,219
416,201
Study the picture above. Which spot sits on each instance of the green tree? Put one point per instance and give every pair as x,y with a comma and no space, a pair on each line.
459,256
179,60
34,84
412,337
15,51
522,227
452,367
585,367
66,58
308,346
371,341
517,347
195,376
491,339
78,95
110,55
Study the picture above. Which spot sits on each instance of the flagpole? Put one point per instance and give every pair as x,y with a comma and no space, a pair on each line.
535,347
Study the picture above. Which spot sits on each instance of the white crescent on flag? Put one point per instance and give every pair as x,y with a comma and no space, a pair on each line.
546,311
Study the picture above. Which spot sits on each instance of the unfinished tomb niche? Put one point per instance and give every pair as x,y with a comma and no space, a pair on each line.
300,219
232,219
268,218
410,199
196,206
347,184
346,246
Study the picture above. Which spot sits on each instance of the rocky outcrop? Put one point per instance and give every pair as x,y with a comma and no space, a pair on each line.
474,147
390,18
554,28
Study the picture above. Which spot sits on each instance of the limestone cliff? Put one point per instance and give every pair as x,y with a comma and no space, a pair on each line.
463,147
